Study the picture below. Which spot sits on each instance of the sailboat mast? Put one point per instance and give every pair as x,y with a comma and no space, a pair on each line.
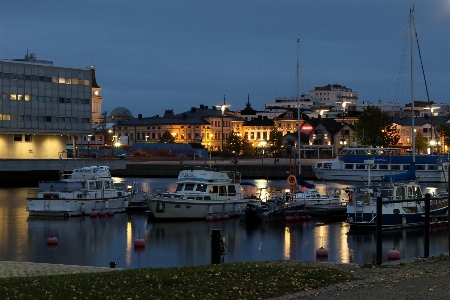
298,108
411,32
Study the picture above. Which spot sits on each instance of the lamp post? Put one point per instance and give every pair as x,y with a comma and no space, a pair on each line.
222,108
432,142
89,139
343,103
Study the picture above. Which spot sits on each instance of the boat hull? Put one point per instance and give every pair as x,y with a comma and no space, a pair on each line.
75,207
184,209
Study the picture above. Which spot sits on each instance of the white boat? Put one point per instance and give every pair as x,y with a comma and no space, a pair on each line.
362,210
78,192
200,193
314,197
350,165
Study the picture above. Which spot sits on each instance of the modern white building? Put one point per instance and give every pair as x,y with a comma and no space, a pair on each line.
41,105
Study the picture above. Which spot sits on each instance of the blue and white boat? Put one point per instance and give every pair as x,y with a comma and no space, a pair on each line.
350,165
362,205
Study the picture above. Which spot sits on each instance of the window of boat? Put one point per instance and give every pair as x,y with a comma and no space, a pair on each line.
79,196
420,167
432,167
191,198
207,198
417,193
200,187
349,166
400,193
107,184
222,190
231,190
319,165
327,165
386,192
360,166
395,167
383,167
214,189
405,167
189,187
91,185
179,187
98,185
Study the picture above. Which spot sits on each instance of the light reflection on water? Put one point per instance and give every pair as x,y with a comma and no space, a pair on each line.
96,242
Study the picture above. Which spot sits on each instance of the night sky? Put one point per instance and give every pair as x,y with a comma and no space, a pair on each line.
151,56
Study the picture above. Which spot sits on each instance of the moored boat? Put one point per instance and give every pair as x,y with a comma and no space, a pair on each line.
350,165
79,192
200,192
362,205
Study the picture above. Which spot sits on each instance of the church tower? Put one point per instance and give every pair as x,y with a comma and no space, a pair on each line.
97,116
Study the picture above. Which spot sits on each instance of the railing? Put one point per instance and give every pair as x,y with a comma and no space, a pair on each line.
426,223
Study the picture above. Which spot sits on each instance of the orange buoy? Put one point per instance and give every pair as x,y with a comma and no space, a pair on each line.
217,217
93,214
139,243
289,219
225,217
209,218
322,252
110,213
101,214
52,241
393,254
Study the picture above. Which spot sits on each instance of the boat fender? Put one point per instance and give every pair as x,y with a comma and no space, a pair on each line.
350,196
82,208
445,167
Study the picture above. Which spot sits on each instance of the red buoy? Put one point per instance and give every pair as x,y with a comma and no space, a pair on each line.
101,214
302,218
308,217
209,218
289,219
225,217
296,218
139,243
52,241
322,252
393,254
110,213
93,214
217,217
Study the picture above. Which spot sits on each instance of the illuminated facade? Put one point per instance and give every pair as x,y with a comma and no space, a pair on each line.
40,105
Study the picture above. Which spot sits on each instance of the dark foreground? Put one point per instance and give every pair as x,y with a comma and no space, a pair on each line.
419,279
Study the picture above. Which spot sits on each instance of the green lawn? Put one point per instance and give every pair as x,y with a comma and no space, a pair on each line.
255,280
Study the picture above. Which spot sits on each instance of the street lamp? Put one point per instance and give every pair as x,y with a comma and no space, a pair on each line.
114,141
432,142
222,108
89,138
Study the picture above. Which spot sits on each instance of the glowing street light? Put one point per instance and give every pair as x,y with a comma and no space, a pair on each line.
89,138
222,108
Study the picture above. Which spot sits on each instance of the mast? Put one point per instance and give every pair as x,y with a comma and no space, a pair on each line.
411,33
298,109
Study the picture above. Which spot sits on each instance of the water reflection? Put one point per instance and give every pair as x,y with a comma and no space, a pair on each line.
98,241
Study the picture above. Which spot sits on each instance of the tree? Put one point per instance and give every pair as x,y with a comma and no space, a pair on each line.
375,128
420,142
166,137
275,140
443,129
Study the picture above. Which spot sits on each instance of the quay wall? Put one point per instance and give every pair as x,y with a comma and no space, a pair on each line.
274,172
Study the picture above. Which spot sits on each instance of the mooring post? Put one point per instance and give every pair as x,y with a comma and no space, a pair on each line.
448,209
426,244
215,246
379,230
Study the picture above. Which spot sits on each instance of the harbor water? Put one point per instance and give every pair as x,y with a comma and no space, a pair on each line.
99,241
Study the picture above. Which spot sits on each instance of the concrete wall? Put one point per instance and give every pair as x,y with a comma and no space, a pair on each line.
41,146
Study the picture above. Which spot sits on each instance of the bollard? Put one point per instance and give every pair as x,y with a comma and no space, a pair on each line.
215,246
112,264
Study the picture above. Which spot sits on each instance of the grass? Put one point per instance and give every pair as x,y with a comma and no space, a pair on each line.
255,280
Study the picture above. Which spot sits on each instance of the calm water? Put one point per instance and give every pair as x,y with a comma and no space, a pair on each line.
96,242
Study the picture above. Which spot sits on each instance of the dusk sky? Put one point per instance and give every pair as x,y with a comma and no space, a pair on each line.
151,56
